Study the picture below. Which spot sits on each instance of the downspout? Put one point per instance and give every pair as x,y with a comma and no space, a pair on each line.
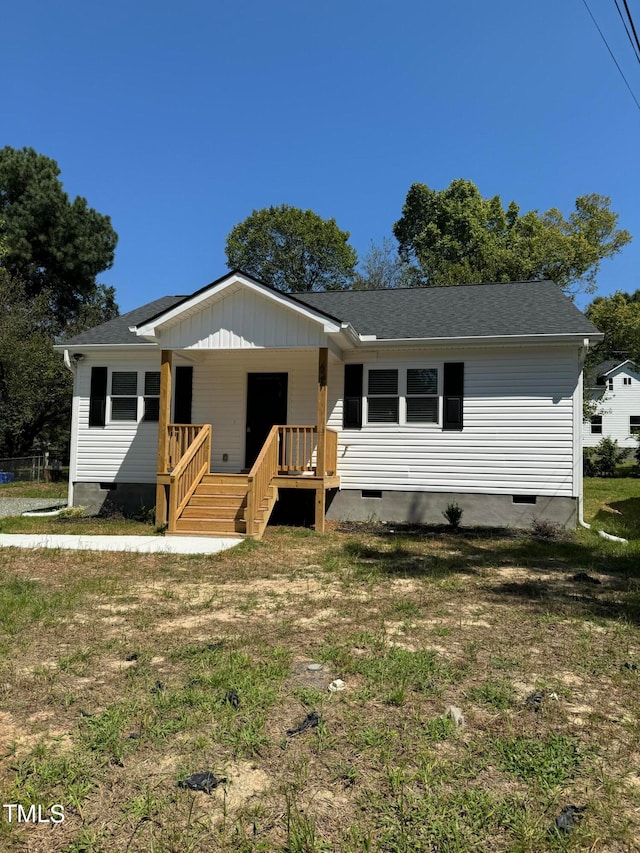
581,520
74,370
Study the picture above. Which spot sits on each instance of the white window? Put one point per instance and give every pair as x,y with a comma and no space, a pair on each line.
610,384
626,380
596,425
124,395
403,395
634,424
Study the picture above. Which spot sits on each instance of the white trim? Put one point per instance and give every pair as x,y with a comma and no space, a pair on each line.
577,438
402,394
134,347
365,340
150,329
618,366
75,425
139,397
483,340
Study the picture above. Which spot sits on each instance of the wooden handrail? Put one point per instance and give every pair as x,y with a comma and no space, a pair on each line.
179,439
262,472
188,472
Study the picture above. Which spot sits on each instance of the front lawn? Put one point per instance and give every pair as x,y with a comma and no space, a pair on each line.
125,674
34,490
613,504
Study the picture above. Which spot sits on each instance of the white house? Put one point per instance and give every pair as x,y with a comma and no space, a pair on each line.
385,404
615,385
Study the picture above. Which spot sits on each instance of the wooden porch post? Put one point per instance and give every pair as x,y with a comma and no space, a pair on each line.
163,435
321,451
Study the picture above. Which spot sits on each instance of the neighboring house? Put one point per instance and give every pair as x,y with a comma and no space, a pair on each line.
386,404
615,385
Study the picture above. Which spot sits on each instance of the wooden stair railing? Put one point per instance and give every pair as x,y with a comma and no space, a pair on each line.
179,439
288,449
264,469
189,469
297,447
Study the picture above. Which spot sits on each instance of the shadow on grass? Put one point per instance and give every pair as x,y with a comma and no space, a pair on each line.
435,553
624,518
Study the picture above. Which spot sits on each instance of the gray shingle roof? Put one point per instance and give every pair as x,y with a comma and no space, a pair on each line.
514,308
116,331
474,310
606,366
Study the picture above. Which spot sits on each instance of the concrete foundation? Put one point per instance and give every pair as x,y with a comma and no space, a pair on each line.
428,508
351,505
129,498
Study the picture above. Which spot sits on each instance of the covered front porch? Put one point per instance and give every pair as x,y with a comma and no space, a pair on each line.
204,489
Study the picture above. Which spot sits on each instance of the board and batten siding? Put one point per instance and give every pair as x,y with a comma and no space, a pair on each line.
518,437
616,408
220,395
241,319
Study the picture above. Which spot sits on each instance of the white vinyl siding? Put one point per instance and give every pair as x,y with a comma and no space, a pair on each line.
121,451
517,436
616,408
126,451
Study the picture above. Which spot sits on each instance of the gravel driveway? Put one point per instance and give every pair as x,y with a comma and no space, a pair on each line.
16,506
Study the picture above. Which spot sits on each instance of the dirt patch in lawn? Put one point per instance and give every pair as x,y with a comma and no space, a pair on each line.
122,675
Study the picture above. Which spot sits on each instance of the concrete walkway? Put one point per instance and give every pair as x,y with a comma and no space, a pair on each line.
131,544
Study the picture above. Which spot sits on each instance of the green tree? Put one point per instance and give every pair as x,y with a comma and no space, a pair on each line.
35,387
292,249
607,456
455,236
618,317
51,250
54,246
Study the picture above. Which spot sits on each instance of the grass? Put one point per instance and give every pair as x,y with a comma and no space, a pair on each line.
614,505
91,526
34,490
121,675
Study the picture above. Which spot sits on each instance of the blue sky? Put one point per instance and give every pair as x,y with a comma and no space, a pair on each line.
179,119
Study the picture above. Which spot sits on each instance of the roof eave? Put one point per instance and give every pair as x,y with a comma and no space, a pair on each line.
582,338
61,347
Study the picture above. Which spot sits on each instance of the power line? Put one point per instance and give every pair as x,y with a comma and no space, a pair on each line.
626,29
635,34
586,5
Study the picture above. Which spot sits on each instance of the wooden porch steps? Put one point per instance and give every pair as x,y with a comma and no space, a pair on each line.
219,505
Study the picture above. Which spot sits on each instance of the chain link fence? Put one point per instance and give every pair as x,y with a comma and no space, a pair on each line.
49,467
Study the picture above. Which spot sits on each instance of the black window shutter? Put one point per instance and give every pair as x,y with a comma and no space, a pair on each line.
183,395
453,391
98,397
352,411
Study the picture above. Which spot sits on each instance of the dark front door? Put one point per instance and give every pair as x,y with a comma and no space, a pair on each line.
266,406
